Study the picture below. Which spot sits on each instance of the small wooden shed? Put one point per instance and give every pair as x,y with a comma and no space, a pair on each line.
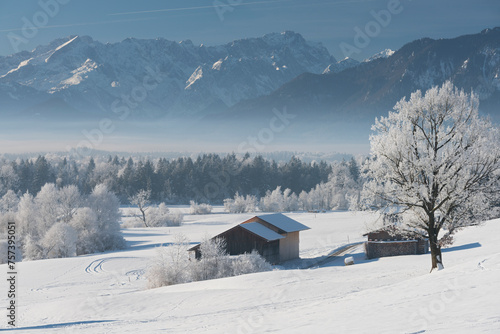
386,242
274,236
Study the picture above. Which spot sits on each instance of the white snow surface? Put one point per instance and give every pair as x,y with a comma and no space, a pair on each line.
105,293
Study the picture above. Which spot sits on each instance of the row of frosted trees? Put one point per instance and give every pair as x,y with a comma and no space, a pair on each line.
61,222
209,178
341,191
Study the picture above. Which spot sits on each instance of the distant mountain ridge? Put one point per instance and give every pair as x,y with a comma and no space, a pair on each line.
90,76
369,89
77,76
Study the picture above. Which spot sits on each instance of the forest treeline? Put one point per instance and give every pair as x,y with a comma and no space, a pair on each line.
209,178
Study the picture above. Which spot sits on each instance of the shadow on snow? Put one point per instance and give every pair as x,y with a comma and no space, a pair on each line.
64,324
462,247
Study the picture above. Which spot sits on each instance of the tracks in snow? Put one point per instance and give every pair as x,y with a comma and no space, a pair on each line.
96,267
335,255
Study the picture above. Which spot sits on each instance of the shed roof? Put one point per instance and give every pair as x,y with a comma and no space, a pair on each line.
262,231
283,222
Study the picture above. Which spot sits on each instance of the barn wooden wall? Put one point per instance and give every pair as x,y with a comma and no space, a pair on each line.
289,247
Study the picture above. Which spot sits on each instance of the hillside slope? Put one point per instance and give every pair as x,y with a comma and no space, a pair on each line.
105,292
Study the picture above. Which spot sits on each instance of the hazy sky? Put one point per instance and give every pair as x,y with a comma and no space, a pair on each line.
335,23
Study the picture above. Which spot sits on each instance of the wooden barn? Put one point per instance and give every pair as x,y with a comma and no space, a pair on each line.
383,243
274,236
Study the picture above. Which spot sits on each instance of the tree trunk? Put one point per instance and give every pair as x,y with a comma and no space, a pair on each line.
437,259
143,216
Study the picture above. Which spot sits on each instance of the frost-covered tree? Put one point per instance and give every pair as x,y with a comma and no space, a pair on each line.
69,200
26,217
9,180
84,221
438,161
240,204
344,185
47,204
106,206
9,202
62,222
142,201
278,201
59,241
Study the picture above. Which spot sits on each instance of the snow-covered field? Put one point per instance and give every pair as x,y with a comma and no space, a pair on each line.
105,293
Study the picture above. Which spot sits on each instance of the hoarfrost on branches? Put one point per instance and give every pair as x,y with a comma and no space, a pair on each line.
172,264
438,161
60,222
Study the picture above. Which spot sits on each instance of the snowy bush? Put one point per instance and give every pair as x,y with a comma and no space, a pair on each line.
200,209
214,262
240,204
132,223
249,263
173,266
161,216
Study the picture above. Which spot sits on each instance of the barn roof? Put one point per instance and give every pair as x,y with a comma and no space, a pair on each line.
283,222
278,220
262,231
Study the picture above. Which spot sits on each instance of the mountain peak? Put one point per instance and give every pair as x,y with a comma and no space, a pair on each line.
285,36
90,76
490,30
382,54
368,90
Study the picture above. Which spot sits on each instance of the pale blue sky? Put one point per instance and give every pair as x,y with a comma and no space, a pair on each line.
332,22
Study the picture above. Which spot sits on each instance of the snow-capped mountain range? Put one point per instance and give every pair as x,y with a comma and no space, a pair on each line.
371,88
79,76
157,76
